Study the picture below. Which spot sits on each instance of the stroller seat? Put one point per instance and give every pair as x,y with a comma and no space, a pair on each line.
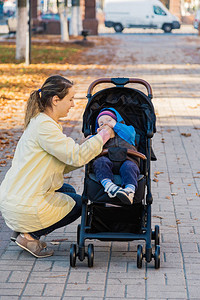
97,194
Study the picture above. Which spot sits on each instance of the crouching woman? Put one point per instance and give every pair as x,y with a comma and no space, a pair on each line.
33,199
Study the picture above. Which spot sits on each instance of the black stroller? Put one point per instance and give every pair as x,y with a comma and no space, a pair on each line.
119,223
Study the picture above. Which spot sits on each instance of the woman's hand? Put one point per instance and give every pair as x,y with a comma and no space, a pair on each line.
108,130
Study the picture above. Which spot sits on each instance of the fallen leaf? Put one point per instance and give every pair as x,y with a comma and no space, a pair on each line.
155,180
163,140
145,278
186,134
157,173
174,194
167,197
60,240
178,221
3,163
197,128
170,130
189,184
9,156
54,243
158,217
171,182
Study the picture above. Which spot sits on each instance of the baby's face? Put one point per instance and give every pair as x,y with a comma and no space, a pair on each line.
105,119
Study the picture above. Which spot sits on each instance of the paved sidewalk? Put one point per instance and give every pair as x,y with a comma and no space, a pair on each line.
171,66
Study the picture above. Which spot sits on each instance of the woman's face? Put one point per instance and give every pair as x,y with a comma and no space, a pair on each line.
64,105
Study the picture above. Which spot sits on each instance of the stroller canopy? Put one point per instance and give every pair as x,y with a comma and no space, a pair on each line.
133,105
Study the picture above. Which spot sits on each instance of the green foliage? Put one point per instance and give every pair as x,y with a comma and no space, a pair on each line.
45,53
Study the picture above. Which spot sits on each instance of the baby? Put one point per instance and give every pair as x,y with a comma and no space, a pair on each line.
123,137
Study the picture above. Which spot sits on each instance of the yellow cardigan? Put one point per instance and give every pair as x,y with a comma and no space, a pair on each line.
28,201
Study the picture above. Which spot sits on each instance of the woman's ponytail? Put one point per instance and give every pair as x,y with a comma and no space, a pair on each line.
32,107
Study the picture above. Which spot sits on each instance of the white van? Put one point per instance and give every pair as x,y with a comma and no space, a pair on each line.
122,14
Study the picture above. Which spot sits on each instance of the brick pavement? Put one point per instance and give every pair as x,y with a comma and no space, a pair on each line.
170,66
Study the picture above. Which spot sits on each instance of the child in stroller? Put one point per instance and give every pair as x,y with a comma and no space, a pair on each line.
126,166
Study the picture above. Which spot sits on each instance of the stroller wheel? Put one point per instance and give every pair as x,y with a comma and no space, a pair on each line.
139,256
157,235
90,255
73,255
157,257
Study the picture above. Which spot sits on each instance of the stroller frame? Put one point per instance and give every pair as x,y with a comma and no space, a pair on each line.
146,234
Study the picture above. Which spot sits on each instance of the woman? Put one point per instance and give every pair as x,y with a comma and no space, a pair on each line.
33,199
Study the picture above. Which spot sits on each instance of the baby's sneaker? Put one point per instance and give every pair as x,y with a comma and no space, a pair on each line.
125,195
111,189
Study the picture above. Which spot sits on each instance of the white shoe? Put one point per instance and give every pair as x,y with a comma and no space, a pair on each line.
126,196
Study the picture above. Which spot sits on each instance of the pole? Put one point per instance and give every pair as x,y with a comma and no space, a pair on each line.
28,35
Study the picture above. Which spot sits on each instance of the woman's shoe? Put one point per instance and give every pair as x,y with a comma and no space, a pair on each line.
33,246
15,235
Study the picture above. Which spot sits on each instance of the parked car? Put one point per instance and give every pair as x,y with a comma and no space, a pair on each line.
197,19
139,14
49,16
50,23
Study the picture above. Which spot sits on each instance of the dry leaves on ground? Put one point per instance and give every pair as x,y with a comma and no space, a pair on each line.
159,217
186,134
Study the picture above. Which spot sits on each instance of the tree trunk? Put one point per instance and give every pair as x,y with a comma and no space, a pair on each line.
64,22
22,27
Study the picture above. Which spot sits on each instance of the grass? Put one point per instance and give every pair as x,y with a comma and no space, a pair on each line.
42,54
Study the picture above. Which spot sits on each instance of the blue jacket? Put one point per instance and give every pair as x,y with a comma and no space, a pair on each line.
126,132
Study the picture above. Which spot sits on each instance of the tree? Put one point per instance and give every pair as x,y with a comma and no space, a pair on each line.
63,12
22,27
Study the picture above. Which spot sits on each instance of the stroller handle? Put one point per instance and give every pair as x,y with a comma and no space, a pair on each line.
120,82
